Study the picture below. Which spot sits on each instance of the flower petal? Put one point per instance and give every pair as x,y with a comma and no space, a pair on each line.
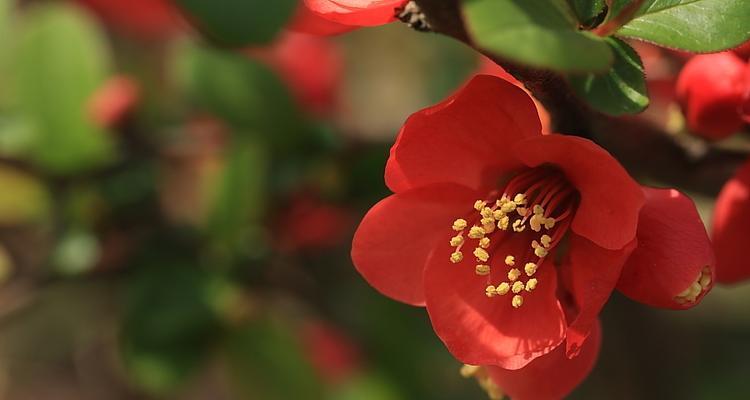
552,376
392,244
610,198
673,250
305,21
465,139
356,12
590,274
731,228
488,331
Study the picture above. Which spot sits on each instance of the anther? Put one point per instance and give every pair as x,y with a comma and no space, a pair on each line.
490,291
520,198
456,257
530,269
476,232
482,269
502,289
484,242
514,274
517,287
459,224
510,261
486,212
546,240
481,254
531,284
502,223
457,240
518,226
479,205
517,301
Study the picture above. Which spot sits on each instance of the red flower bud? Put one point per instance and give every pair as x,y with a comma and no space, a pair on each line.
710,89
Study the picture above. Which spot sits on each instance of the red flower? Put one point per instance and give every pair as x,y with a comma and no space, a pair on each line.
710,89
550,220
114,101
731,228
144,18
327,17
551,376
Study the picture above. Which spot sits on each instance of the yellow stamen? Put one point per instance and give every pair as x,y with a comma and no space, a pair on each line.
481,254
482,269
531,284
479,205
518,226
546,241
486,212
490,291
510,261
541,252
484,242
517,301
476,232
520,199
517,287
514,274
459,224
522,211
502,223
530,269
502,289
457,240
456,257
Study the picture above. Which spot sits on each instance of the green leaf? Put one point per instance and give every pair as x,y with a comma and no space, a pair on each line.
170,320
239,196
268,362
239,23
588,11
242,92
692,25
61,59
538,33
622,90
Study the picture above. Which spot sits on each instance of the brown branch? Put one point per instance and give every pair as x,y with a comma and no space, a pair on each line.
644,149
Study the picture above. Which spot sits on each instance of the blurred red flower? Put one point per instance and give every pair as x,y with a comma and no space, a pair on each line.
143,18
328,17
711,89
112,102
333,355
553,222
311,224
311,66
731,228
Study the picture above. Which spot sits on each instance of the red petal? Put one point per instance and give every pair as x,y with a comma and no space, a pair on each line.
488,331
306,21
610,198
710,89
465,139
731,228
356,12
392,244
590,274
673,249
552,376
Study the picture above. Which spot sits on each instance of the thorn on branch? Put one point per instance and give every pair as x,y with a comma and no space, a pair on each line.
412,15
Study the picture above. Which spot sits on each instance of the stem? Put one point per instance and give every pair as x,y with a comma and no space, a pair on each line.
614,24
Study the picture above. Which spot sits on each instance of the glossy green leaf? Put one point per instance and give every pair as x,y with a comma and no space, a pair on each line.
60,60
239,23
588,11
622,90
537,33
692,25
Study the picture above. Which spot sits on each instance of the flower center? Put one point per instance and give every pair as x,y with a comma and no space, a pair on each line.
535,208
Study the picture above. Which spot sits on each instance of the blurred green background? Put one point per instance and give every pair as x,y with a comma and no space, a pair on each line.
175,221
